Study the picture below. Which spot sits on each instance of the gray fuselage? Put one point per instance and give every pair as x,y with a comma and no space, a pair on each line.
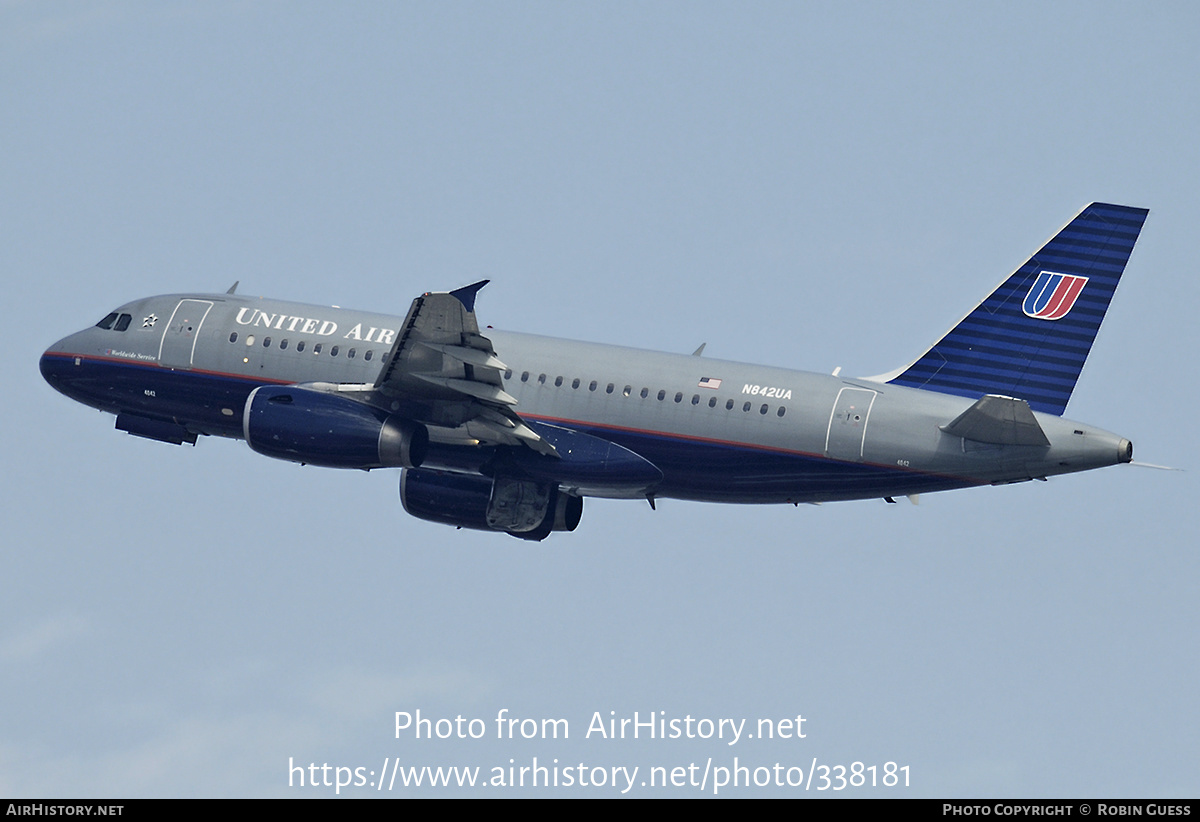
717,430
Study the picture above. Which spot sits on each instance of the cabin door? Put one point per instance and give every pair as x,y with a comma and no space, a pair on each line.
178,348
848,424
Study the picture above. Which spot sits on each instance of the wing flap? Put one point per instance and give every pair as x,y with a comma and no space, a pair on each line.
478,390
445,373
478,357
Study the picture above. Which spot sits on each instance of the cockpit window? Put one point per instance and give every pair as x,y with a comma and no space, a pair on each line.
115,322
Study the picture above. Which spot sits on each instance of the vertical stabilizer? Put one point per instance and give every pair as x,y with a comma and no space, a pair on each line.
1030,337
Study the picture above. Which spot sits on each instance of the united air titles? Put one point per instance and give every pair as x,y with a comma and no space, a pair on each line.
312,325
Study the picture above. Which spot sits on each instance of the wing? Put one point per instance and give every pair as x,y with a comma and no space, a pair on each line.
442,372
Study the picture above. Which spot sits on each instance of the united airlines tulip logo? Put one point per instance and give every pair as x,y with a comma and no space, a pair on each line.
1053,295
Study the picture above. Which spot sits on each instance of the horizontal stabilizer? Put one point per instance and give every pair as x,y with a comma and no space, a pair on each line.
999,421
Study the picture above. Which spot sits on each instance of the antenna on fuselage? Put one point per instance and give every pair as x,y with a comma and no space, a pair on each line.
233,287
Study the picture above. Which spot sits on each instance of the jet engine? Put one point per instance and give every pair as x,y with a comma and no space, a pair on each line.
313,427
523,508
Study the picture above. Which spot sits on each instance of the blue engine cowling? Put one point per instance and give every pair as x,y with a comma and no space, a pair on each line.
471,501
298,424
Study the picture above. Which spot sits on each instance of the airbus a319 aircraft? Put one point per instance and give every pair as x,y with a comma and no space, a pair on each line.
509,432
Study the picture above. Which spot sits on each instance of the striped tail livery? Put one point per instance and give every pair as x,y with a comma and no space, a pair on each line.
1030,337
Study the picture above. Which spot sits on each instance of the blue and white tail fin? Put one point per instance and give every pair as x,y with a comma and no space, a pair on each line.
1030,337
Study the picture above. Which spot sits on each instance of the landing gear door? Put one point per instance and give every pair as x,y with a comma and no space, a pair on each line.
178,346
848,424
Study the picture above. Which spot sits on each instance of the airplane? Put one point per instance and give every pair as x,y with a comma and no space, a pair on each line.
508,432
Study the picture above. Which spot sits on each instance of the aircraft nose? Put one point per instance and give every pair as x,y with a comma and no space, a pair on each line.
52,364
58,362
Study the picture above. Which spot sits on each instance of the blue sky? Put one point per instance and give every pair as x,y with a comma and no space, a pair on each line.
803,185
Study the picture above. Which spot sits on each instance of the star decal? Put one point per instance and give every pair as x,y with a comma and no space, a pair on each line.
150,321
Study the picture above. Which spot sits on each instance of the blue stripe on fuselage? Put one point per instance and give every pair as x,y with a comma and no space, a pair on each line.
720,471
193,398
693,467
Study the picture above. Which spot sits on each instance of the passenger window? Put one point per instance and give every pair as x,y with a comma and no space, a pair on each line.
628,390
678,396
107,322
695,399
249,339
300,345
233,337
575,382
524,376
662,395
542,379
350,353
763,410
610,388
781,411
592,386
746,407
266,342
333,351
507,374
368,355
712,402
123,322
729,405
558,382
283,345
645,393
317,348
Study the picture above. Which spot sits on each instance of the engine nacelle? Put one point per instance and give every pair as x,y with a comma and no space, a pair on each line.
521,508
298,424
564,515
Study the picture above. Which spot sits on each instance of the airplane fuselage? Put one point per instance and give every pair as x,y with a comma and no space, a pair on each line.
716,430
